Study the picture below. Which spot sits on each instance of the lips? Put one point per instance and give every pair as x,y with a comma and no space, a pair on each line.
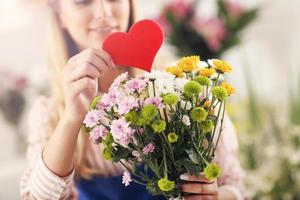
103,31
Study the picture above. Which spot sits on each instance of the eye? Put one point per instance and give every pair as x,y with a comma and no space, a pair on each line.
82,2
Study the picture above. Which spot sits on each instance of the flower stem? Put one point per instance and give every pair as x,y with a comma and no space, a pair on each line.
166,115
221,129
151,165
199,153
170,147
165,164
153,86
139,182
215,127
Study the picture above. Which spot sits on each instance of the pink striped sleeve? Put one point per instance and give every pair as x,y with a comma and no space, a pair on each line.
38,181
227,156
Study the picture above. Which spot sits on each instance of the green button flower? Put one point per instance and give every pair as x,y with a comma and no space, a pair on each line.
170,99
172,137
149,112
202,80
192,88
220,93
159,126
212,171
132,116
207,126
198,114
165,185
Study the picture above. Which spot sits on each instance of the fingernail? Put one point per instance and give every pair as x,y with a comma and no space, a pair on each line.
112,64
184,177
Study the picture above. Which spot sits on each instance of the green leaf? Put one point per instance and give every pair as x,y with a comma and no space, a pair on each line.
120,153
193,156
133,167
191,167
94,102
222,8
87,129
153,188
145,168
246,19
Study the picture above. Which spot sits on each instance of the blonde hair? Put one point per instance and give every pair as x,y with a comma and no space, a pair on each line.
59,51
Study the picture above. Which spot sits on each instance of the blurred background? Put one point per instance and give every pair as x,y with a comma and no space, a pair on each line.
260,38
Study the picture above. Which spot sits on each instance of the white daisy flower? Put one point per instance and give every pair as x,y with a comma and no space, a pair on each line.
186,120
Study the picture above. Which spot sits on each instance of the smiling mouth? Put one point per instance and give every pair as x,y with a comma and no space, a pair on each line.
103,30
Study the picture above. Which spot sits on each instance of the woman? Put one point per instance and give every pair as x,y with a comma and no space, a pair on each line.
63,163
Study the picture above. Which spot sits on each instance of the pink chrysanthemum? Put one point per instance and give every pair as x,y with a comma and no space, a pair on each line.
108,100
126,104
149,148
98,133
119,80
92,118
121,131
157,101
136,85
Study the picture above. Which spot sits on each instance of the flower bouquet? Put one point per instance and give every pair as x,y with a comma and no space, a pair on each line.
162,124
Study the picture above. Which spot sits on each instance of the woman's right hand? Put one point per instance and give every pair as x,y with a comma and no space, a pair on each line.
80,86
80,81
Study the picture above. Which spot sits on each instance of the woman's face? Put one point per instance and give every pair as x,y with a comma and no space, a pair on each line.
90,21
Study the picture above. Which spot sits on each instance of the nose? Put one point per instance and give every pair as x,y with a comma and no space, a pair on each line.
102,9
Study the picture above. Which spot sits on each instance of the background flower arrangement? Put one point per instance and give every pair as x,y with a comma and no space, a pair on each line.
208,37
12,95
143,123
13,101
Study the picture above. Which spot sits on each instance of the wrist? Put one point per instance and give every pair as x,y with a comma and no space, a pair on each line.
226,194
71,121
70,117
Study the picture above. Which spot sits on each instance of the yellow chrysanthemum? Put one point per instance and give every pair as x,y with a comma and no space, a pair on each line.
207,72
206,104
188,63
177,71
228,87
221,66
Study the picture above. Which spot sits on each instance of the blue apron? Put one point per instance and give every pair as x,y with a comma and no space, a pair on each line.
111,188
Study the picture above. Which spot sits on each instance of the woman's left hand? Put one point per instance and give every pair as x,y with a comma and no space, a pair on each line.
199,188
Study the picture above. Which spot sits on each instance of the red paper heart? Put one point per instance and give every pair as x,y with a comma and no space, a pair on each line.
138,47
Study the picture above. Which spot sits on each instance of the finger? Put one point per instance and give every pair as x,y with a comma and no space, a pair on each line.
201,178
98,60
78,57
94,60
198,188
99,53
85,69
83,84
105,56
200,197
94,57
